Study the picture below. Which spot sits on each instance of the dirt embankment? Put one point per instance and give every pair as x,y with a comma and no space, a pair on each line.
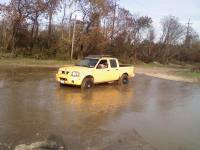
165,73
169,73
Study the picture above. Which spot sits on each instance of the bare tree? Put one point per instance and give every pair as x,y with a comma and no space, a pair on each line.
93,11
36,9
102,26
172,31
172,34
66,6
17,12
51,6
149,49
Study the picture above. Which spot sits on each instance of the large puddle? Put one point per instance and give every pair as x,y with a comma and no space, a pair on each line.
149,113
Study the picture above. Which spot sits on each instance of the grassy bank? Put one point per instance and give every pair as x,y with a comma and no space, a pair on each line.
177,72
33,62
188,74
170,71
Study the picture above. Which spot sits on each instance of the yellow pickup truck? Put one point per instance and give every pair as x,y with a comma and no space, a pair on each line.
95,69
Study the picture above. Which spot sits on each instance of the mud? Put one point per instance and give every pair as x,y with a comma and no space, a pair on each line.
149,113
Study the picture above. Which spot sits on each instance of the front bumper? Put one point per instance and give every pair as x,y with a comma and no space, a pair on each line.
64,79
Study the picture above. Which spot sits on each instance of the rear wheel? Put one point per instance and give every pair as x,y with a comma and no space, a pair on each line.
123,80
87,83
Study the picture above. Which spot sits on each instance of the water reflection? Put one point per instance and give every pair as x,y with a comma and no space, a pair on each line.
160,111
101,98
95,106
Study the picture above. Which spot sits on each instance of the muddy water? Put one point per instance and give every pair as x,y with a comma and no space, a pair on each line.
149,113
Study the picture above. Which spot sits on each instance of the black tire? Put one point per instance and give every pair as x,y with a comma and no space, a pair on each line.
87,83
61,85
123,80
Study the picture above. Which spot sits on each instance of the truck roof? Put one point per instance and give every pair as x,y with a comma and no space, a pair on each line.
99,56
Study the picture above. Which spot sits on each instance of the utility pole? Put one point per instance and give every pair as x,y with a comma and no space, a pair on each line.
73,38
188,34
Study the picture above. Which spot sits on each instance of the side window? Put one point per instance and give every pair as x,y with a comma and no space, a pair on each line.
113,63
103,64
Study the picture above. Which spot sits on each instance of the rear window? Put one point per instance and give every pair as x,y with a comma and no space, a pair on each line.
113,63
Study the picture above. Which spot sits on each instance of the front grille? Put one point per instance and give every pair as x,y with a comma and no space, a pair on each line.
64,79
65,72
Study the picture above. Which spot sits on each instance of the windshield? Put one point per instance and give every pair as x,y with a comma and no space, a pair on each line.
88,62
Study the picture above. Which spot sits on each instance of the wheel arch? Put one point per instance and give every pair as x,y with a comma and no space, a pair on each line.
88,76
125,74
120,76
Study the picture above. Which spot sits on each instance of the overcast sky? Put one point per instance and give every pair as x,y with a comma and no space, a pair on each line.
157,9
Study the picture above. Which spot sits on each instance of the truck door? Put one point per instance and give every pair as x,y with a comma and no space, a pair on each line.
114,70
102,71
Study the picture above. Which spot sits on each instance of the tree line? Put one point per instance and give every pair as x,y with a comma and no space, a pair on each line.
69,29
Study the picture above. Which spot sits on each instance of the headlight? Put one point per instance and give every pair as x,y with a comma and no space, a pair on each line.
75,74
59,71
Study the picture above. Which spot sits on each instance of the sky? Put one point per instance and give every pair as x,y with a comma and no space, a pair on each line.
157,9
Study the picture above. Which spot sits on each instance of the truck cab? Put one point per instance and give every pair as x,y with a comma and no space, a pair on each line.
95,69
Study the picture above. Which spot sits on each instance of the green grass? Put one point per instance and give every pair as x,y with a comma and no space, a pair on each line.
188,74
184,71
33,62
170,65
153,65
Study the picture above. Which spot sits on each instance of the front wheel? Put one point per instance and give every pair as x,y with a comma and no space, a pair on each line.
87,83
123,80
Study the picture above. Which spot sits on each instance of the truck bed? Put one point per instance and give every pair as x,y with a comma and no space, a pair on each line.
126,68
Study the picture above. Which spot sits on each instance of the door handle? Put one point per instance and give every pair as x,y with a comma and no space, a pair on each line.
117,69
108,70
